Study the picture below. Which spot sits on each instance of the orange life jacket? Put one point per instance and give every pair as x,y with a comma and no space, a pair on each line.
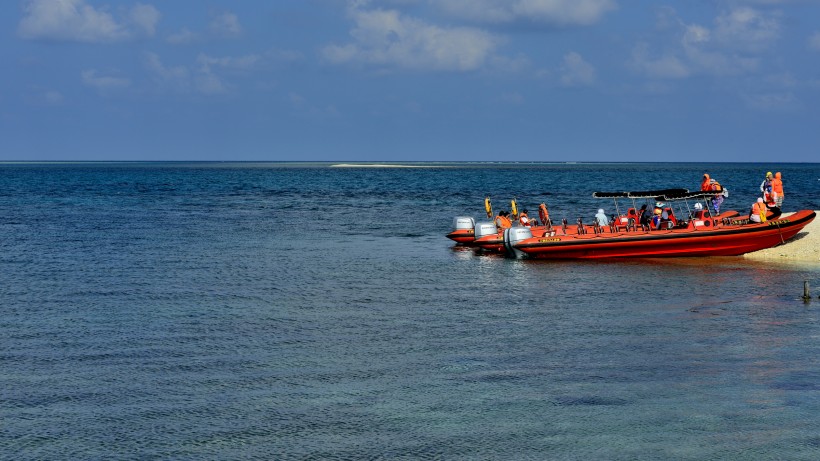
503,222
759,209
524,219
705,186
777,184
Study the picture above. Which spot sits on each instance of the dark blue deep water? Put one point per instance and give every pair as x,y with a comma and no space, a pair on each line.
297,311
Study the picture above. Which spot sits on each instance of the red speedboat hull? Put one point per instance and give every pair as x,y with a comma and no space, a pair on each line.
722,240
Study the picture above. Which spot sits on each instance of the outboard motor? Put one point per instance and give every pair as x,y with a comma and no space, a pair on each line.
514,235
484,229
463,222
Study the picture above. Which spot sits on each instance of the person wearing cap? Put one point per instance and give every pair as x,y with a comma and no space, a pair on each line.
758,213
601,218
766,185
698,211
656,220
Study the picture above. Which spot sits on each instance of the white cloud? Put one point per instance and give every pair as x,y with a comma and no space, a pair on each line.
145,17
206,76
103,82
75,20
183,37
704,56
814,41
384,37
52,97
512,98
771,101
225,25
208,82
303,108
243,63
746,29
178,77
576,72
39,96
666,66
731,47
553,12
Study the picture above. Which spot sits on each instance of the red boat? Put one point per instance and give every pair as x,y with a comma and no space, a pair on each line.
700,235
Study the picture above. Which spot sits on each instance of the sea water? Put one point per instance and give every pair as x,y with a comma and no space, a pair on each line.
302,311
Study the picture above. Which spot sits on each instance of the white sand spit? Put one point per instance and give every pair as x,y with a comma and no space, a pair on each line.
379,165
804,247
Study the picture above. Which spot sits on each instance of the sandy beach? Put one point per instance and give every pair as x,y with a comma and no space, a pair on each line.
803,248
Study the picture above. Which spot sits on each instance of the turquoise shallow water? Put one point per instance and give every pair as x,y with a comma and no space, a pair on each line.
293,311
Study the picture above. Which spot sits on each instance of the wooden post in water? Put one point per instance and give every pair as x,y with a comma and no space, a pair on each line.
806,291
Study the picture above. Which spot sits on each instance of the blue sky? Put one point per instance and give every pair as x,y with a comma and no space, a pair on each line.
411,80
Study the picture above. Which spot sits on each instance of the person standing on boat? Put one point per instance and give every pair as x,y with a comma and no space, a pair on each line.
758,213
524,218
766,185
601,218
777,189
707,185
502,221
767,191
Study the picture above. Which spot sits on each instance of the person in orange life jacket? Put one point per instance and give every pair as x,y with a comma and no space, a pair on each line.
777,189
524,219
758,212
502,221
709,184
705,185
